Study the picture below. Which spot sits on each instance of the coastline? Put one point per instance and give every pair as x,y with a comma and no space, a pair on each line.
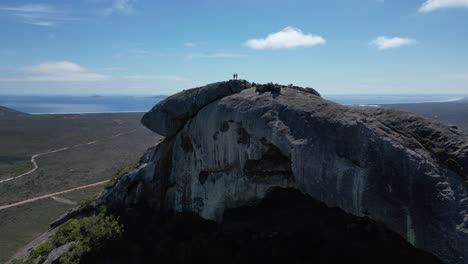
349,100
86,113
377,100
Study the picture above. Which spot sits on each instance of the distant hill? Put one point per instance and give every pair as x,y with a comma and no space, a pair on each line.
6,112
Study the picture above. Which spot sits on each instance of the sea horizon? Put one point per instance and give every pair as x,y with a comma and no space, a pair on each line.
95,104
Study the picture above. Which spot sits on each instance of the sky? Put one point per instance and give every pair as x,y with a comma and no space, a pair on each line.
155,47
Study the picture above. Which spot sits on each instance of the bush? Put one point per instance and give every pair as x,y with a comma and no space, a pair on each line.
89,204
122,171
41,252
38,255
86,235
96,229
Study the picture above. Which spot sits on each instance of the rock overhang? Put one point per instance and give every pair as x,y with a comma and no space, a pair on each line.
368,161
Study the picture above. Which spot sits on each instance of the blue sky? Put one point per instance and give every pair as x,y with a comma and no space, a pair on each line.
161,47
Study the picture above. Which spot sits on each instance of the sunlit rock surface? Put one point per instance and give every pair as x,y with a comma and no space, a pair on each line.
229,143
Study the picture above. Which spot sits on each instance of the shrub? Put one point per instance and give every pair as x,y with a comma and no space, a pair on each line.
38,255
88,234
89,204
122,171
41,252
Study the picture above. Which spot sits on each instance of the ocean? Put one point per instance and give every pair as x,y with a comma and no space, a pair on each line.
113,104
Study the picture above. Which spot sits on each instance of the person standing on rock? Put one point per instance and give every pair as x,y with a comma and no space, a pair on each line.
234,76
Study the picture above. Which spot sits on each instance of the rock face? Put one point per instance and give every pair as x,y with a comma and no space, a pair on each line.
169,116
285,227
229,143
55,254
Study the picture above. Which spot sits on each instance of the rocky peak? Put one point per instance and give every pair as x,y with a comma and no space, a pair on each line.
169,116
229,144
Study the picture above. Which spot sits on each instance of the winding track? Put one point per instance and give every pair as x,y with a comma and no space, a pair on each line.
33,161
33,158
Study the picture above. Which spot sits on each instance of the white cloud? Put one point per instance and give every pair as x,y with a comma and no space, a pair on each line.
287,38
383,43
432,5
59,71
214,55
194,44
42,23
38,14
124,7
29,8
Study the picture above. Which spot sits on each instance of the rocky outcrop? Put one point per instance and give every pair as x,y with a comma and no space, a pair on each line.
285,226
169,116
54,255
229,143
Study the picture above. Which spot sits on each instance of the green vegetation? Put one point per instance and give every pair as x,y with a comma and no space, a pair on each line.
38,254
84,235
23,137
87,234
122,171
89,204
20,225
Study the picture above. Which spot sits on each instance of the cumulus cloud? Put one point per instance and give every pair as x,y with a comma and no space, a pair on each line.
59,71
383,43
124,7
288,38
432,5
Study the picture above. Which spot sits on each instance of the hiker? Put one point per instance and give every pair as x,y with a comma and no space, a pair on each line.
234,76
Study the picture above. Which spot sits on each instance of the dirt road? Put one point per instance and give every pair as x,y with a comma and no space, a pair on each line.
51,195
33,158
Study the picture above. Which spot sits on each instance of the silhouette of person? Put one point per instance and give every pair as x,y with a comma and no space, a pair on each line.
234,76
